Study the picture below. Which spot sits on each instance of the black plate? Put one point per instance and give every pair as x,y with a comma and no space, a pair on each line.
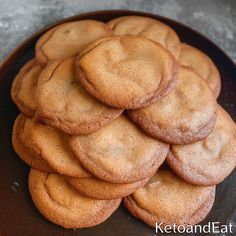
18,216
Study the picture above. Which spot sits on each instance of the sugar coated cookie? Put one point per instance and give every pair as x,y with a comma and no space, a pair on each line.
148,28
64,104
127,72
185,115
51,145
68,39
61,204
211,160
119,152
169,200
202,64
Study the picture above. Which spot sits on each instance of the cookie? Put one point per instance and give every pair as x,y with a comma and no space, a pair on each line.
99,189
185,115
64,104
169,200
61,204
24,86
51,145
209,161
148,28
21,142
126,72
119,152
68,39
203,65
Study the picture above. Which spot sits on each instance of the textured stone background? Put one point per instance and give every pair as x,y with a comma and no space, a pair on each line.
214,18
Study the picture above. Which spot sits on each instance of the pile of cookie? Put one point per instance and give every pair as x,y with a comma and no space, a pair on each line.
121,110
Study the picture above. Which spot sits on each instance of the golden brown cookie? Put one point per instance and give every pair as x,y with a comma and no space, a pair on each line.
202,64
119,152
64,104
148,28
24,86
127,72
167,198
99,189
209,161
61,204
185,115
51,145
22,143
68,39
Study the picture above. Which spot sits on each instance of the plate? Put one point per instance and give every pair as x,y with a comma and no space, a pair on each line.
18,216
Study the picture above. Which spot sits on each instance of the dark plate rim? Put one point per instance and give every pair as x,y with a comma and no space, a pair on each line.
104,12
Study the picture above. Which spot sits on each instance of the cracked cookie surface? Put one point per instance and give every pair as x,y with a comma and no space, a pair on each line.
64,104
127,72
61,204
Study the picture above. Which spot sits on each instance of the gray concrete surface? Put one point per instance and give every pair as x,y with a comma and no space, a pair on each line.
214,18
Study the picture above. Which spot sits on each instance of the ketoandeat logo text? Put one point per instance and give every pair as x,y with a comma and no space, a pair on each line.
211,227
